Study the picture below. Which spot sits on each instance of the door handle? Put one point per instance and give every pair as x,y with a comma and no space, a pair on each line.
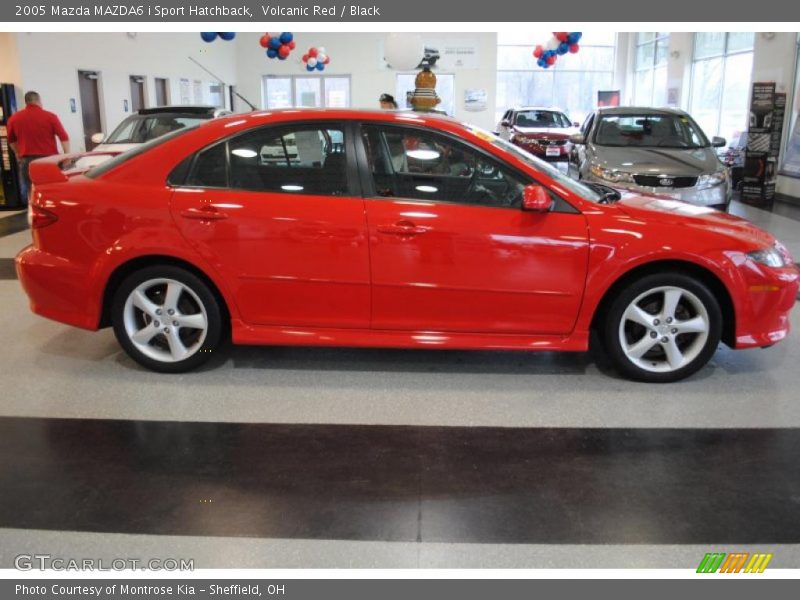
401,228
204,214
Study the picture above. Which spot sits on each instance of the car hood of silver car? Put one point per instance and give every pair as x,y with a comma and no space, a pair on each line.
656,161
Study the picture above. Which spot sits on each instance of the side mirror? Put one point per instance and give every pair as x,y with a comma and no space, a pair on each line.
577,138
97,138
718,142
505,123
536,198
576,124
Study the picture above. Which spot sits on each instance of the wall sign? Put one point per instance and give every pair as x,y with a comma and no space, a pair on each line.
475,100
767,111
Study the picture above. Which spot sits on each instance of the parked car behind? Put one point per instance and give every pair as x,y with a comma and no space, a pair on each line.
388,229
544,132
145,125
651,151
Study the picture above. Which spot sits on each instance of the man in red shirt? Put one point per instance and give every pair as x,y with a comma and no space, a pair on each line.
32,134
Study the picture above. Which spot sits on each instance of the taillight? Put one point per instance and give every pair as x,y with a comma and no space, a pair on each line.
39,217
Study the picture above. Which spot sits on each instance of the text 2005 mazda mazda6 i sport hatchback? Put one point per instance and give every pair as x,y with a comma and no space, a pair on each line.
359,228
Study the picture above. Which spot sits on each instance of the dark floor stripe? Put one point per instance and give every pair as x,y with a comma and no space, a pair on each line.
13,224
7,269
430,484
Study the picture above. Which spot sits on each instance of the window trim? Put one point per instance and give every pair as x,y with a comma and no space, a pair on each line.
560,205
353,184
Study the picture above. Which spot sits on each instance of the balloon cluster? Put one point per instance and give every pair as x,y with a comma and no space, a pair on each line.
278,45
316,58
210,36
561,43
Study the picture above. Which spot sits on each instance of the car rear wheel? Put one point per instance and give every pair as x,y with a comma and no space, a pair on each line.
662,328
167,319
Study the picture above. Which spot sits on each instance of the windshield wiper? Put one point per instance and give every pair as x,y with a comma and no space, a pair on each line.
608,195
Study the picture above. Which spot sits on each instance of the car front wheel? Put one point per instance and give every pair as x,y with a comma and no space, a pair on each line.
663,327
167,319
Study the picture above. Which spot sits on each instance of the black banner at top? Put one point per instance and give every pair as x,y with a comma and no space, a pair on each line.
322,11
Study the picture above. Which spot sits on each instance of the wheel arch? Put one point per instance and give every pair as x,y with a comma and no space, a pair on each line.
124,269
707,277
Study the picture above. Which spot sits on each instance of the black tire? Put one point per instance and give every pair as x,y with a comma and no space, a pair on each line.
703,351
198,293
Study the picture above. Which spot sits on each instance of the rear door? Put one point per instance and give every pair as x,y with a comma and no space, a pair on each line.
275,212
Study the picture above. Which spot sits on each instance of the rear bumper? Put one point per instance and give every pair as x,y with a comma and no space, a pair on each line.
770,295
56,288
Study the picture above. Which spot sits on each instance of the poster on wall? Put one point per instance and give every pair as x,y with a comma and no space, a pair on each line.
184,91
475,100
791,159
607,98
442,55
767,111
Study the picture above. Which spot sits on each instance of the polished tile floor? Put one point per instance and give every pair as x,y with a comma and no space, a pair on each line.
366,458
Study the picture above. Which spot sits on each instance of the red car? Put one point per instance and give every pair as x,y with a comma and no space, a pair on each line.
544,132
361,228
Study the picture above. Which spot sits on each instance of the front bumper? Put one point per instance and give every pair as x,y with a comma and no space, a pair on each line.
769,295
718,196
56,288
541,151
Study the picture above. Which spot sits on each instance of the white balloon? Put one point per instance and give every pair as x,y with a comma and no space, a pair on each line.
321,56
552,43
321,50
403,51
312,62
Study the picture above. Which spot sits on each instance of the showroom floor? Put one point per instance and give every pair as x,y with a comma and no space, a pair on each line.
386,458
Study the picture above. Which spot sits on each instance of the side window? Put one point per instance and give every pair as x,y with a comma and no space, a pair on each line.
411,163
301,159
209,168
587,124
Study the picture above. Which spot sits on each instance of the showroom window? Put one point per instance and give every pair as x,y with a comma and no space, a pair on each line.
650,69
318,91
570,85
445,89
411,163
300,159
721,70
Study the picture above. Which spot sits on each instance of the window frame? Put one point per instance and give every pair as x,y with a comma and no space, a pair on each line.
346,126
658,36
560,205
293,87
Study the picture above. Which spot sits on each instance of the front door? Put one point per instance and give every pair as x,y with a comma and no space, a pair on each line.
451,248
283,224
90,106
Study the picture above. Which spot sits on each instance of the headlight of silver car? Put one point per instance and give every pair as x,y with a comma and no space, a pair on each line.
771,257
712,179
611,175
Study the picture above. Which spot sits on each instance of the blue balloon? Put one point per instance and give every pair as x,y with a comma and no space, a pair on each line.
563,48
208,36
541,62
272,53
320,66
574,37
227,35
309,68
286,37
275,43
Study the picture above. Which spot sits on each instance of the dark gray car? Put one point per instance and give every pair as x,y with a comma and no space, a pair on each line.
651,151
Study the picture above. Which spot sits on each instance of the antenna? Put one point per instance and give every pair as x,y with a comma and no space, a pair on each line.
238,95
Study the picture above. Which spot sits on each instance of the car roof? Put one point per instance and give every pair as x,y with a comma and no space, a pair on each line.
639,110
351,114
547,108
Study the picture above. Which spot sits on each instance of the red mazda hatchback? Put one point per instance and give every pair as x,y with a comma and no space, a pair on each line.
360,228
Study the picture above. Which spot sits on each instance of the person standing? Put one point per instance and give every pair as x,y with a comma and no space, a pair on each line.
387,102
32,134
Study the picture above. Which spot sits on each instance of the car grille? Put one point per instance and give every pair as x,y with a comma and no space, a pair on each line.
550,142
664,181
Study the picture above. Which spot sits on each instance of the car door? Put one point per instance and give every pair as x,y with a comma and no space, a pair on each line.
503,128
274,211
452,250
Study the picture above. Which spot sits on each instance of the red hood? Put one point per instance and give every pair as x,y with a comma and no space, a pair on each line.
675,212
548,133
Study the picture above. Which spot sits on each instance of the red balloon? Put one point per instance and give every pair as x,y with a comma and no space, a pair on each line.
574,48
312,52
327,60
551,60
284,50
264,41
537,52
561,36
292,45
305,57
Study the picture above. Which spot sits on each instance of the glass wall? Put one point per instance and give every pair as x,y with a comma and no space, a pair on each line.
650,69
313,91
722,66
570,85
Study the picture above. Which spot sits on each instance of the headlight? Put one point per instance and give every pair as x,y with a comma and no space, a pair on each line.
712,179
613,176
522,139
770,257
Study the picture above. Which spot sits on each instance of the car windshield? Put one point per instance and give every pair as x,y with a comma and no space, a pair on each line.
649,131
560,178
138,129
542,119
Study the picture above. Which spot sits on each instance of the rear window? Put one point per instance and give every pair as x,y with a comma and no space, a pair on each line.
138,129
112,163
